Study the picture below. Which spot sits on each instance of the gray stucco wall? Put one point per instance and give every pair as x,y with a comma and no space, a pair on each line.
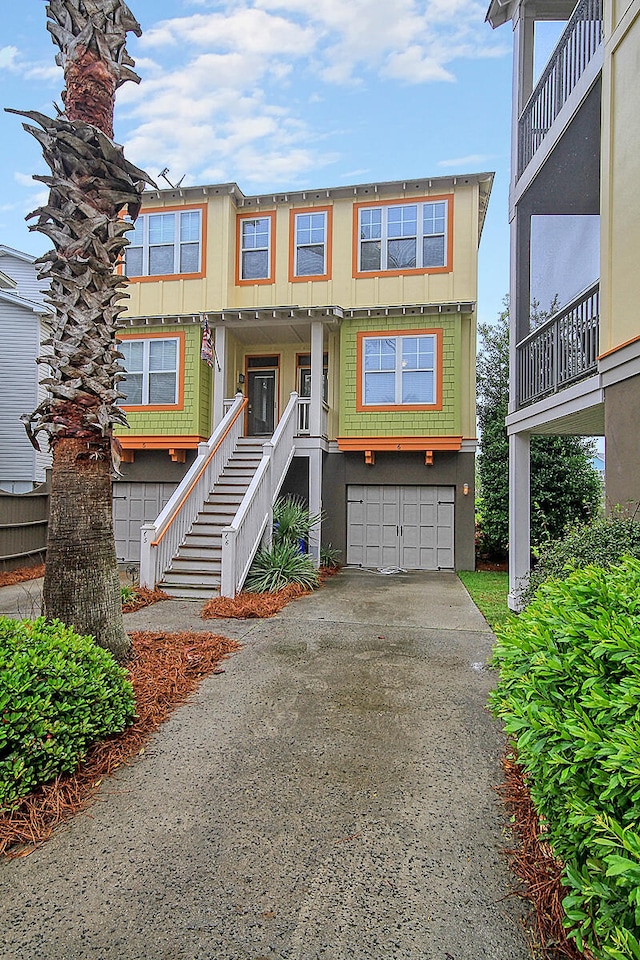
449,469
622,452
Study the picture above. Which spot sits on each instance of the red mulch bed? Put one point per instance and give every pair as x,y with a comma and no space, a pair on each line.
144,598
535,865
492,566
164,670
248,606
9,577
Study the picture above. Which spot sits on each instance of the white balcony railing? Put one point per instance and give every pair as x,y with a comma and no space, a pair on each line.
161,539
304,417
580,39
241,539
563,350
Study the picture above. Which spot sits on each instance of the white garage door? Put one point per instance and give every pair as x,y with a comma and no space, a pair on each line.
133,505
411,527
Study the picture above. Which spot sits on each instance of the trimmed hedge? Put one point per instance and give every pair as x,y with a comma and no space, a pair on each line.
59,693
569,694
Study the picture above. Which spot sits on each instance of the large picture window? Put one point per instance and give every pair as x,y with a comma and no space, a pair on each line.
403,237
398,370
152,368
165,244
311,244
255,248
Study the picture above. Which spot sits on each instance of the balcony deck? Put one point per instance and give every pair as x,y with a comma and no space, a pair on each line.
576,47
561,351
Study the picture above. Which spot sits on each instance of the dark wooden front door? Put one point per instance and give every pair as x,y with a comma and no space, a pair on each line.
262,393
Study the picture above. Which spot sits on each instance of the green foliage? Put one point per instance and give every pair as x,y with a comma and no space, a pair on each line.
569,694
602,542
564,485
59,693
273,569
292,520
128,593
329,556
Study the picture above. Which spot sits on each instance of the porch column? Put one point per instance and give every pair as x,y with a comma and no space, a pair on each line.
219,373
519,516
315,413
315,500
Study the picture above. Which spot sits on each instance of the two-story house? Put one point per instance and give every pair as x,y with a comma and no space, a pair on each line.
575,243
343,327
23,325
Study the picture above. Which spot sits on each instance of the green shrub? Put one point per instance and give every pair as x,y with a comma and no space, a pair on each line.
602,542
59,693
273,569
292,520
330,556
569,694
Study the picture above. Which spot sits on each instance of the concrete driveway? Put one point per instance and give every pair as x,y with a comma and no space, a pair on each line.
329,796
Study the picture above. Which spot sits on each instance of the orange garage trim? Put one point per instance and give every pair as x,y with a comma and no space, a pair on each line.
390,444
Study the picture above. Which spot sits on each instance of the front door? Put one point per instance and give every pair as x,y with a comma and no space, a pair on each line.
262,393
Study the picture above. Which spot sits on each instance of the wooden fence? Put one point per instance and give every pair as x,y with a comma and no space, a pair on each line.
23,527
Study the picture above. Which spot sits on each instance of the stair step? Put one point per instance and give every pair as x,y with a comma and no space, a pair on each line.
191,578
183,592
199,553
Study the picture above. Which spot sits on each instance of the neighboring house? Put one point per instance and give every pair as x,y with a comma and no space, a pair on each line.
347,319
575,235
23,318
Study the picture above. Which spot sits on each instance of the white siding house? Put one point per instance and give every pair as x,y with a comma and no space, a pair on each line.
23,316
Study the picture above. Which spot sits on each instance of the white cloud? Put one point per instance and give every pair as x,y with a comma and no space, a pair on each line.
8,57
471,160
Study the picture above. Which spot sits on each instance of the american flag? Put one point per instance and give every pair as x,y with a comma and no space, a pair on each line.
206,350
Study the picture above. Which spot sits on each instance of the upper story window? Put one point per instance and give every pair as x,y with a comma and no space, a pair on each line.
256,248
310,257
403,237
153,371
165,243
399,370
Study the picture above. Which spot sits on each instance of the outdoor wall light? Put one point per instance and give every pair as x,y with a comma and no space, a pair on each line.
465,489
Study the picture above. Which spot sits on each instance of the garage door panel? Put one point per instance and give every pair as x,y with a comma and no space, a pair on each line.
408,526
133,505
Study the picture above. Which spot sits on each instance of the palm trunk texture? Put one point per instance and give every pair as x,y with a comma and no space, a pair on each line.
91,187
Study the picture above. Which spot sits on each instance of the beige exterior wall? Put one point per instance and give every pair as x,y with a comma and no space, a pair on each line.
620,234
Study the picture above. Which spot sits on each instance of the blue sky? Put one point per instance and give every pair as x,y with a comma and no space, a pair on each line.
277,94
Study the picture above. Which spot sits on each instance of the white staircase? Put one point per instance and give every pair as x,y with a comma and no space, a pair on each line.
196,569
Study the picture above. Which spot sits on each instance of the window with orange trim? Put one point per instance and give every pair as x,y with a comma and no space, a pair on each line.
399,370
311,243
255,248
152,367
403,237
164,243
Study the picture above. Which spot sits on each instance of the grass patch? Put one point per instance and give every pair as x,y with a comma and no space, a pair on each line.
489,592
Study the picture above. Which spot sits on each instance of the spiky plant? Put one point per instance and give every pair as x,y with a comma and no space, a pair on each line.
91,186
283,564
292,520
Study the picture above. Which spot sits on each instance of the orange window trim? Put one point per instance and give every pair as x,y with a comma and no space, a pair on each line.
256,215
361,407
388,444
164,442
627,343
417,271
203,246
164,335
292,243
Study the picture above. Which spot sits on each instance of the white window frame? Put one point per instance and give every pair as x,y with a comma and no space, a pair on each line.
244,249
143,220
297,245
424,213
147,373
399,368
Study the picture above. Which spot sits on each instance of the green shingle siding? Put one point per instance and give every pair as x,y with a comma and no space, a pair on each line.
445,422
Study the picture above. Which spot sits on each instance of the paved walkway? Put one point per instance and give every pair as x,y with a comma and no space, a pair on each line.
329,796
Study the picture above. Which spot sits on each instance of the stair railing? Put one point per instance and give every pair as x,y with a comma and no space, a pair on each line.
160,540
254,519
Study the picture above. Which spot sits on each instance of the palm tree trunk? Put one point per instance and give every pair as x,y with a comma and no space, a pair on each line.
90,186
